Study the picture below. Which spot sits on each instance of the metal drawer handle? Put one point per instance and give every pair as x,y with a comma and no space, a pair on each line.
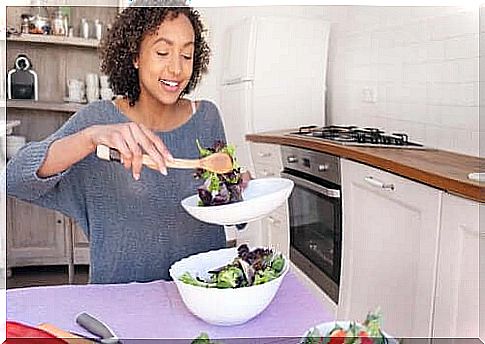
267,173
264,155
471,231
376,182
273,221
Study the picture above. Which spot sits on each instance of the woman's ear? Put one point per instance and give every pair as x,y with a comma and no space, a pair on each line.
135,63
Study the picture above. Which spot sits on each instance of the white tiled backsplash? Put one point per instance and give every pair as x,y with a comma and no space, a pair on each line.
412,69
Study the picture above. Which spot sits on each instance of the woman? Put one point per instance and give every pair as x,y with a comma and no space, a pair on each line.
132,216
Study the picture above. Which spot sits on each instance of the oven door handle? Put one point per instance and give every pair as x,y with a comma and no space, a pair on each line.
332,193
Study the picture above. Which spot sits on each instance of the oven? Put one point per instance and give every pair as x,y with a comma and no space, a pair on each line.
315,214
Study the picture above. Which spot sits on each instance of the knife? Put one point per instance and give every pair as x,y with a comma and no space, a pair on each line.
98,328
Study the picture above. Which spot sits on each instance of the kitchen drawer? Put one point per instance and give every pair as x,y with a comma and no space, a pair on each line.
267,171
266,159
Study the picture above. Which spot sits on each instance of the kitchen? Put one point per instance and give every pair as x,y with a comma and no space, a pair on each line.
410,70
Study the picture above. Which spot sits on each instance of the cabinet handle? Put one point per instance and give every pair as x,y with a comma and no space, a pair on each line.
267,173
376,182
59,221
264,155
273,221
471,231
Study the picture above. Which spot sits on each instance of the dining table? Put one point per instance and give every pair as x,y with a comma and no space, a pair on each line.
155,310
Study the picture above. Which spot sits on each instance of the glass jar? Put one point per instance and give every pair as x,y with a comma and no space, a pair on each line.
24,27
58,24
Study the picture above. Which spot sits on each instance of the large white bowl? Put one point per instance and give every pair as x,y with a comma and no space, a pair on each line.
224,307
325,328
260,198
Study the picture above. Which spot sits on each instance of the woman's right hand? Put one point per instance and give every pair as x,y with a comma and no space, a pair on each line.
131,139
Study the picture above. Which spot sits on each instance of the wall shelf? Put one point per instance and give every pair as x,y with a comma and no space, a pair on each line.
43,105
51,39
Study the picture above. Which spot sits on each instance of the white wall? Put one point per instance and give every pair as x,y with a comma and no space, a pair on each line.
422,64
419,63
218,19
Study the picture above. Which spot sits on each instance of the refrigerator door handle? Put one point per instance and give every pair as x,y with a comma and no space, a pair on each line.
236,81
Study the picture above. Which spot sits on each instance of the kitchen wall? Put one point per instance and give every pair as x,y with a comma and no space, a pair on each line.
411,69
218,19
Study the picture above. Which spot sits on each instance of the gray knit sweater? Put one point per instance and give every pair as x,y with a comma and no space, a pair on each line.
136,229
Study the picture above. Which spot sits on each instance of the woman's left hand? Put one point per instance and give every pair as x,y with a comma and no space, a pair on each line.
246,177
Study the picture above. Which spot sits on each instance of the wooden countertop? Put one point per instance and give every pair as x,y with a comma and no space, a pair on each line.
440,169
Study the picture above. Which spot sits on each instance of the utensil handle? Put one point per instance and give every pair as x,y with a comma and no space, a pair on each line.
96,327
111,154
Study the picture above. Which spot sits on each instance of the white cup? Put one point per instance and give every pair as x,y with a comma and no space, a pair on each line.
75,90
92,94
92,80
106,93
104,81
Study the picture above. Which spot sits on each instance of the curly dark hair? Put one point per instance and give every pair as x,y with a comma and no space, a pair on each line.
121,46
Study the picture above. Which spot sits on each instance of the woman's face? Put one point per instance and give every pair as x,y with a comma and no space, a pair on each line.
165,62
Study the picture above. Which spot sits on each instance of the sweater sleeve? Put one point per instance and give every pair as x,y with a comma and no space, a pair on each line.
23,182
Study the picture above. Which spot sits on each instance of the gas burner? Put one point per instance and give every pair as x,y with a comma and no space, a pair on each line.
353,135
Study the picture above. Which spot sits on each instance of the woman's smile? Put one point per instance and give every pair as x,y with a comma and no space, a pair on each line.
170,85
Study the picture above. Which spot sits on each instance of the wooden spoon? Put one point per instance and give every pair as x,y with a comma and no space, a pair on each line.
217,162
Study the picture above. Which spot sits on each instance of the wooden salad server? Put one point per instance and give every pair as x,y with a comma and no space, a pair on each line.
218,162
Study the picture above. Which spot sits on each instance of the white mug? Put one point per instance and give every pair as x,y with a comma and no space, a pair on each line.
106,93
104,81
92,93
92,80
75,90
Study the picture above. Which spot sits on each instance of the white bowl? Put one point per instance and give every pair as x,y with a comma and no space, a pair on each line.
325,328
225,307
260,198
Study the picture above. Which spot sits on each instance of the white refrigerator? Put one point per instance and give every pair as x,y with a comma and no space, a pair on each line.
274,77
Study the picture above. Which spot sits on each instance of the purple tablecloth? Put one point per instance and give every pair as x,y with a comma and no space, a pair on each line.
155,310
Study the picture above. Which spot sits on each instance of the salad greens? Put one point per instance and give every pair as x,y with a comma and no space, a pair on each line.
203,338
368,332
249,268
219,188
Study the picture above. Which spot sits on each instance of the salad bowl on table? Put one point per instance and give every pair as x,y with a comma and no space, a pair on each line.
222,306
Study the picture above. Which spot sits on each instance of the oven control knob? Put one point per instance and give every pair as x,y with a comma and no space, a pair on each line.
323,167
292,159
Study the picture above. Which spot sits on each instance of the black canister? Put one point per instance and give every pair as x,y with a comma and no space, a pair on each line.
22,80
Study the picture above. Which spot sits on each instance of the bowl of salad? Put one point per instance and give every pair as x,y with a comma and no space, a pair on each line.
241,281
221,198
349,332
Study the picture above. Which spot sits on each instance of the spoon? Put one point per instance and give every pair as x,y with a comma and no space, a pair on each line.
218,162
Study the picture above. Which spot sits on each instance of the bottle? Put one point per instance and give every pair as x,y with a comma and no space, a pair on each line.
66,12
84,28
98,29
25,23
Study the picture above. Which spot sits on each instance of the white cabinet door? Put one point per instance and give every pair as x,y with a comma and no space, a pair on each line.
456,309
272,230
277,226
390,234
